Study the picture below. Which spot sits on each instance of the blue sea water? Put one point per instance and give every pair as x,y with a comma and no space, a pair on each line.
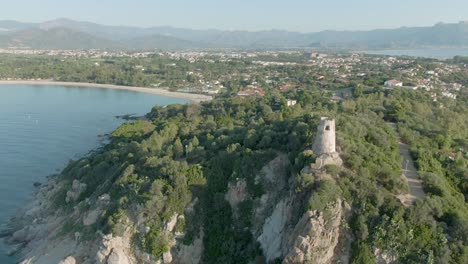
43,127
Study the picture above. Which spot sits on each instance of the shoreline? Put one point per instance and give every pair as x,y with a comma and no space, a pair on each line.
194,98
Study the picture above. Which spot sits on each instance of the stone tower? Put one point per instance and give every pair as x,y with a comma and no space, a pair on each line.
325,139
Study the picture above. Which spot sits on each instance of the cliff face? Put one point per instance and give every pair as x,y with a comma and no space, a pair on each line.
40,232
282,230
312,238
315,237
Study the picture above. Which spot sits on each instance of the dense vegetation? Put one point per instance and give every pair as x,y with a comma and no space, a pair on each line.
154,169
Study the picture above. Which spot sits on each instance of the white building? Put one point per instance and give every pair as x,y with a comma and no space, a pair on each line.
449,95
393,83
292,102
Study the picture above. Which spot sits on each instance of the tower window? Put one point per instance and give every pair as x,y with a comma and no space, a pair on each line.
327,128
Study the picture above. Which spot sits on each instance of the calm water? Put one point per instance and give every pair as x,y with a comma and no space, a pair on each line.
42,127
426,53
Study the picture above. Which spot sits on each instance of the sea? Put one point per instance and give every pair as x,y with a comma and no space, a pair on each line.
43,127
435,53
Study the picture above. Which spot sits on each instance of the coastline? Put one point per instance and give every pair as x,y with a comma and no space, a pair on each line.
194,98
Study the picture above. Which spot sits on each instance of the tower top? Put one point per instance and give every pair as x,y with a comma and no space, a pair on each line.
325,139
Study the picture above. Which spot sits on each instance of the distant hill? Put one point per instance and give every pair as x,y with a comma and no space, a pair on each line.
56,38
61,33
161,42
11,26
407,37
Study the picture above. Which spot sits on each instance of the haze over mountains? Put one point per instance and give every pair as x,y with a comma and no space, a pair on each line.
69,34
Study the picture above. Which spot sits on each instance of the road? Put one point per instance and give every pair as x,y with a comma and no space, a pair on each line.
410,173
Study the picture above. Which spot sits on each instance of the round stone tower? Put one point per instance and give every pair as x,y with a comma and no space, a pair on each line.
325,139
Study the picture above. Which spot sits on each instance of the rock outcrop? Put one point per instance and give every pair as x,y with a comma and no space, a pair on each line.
39,234
273,231
311,238
281,227
74,193
316,236
237,192
117,256
68,260
383,257
190,254
118,247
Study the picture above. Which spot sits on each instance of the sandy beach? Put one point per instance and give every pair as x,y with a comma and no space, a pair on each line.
195,98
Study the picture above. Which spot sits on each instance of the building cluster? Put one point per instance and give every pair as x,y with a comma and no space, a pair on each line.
291,69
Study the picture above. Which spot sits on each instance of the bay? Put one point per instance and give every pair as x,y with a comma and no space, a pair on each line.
43,127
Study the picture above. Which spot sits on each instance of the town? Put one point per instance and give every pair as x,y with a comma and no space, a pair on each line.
241,73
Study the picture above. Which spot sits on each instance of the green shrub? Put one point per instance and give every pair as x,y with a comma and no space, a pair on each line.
326,192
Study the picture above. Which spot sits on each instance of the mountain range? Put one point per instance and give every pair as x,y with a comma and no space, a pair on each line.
69,34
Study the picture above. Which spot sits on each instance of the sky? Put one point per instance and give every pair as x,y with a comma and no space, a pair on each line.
295,15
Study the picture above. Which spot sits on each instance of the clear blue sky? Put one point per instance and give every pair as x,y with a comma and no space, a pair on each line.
299,15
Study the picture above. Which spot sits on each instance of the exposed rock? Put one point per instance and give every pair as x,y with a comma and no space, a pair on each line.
273,178
144,257
20,235
170,225
383,257
109,244
76,190
190,254
143,229
104,197
315,236
274,171
297,256
117,256
27,233
68,260
91,217
33,212
167,257
236,193
327,159
272,232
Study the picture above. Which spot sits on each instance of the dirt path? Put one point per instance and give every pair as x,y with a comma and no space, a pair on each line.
409,172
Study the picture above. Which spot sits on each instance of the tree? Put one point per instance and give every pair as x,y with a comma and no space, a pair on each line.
178,148
357,91
195,142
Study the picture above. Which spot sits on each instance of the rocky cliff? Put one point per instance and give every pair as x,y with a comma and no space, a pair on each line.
43,234
313,237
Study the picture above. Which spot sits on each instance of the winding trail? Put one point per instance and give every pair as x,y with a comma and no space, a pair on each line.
409,173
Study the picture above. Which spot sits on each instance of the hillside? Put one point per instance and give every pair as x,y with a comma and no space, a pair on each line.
56,38
8,26
439,35
160,42
237,180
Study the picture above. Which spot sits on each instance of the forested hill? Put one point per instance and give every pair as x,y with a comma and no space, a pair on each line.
13,34
205,181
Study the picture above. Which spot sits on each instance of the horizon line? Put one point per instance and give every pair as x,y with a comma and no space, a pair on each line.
233,30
